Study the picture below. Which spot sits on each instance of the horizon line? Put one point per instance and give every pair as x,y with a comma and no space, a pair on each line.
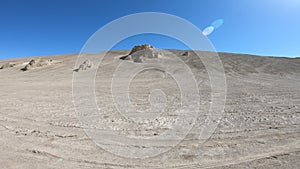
228,52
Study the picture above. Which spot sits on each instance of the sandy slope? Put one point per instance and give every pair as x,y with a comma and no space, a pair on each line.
260,127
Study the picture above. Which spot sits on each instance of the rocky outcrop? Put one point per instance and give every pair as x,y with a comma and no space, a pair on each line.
7,65
36,63
85,65
186,53
141,53
140,47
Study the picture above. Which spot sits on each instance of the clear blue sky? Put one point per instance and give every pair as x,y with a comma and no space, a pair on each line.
48,27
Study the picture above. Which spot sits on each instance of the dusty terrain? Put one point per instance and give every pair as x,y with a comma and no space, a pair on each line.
260,127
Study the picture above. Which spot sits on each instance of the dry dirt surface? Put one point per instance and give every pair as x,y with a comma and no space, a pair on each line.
260,127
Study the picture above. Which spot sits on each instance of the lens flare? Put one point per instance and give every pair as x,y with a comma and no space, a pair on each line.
60,160
217,23
207,31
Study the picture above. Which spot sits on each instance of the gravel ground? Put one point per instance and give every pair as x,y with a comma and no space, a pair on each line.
260,127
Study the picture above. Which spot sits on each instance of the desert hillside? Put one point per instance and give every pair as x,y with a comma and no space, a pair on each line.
39,127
